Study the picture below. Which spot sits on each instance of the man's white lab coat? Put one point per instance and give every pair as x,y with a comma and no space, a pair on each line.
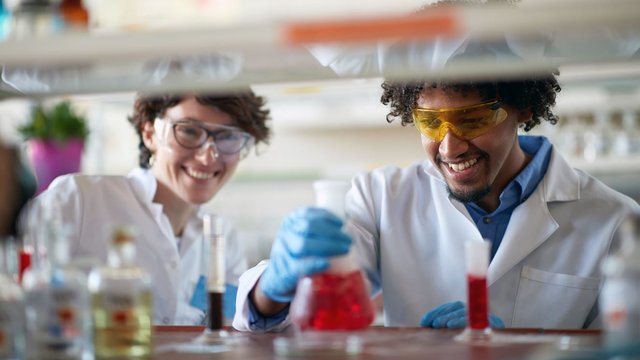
409,236
94,205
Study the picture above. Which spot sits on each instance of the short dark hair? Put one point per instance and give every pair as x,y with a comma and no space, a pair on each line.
537,94
245,108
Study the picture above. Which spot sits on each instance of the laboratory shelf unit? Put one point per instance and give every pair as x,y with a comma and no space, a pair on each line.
287,42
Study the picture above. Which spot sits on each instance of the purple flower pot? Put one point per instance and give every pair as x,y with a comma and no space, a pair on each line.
51,159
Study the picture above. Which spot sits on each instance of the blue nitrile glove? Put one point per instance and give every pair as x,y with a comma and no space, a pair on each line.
305,241
453,315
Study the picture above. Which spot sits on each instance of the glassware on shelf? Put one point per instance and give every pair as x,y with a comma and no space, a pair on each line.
12,313
5,21
477,263
74,14
122,302
56,300
36,18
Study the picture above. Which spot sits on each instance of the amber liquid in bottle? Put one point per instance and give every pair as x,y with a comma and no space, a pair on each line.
122,303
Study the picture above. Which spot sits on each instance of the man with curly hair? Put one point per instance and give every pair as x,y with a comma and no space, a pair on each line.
190,146
550,225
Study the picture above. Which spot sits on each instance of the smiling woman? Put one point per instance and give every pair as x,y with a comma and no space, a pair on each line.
190,146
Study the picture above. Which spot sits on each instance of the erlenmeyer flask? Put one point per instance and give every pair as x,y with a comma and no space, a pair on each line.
337,299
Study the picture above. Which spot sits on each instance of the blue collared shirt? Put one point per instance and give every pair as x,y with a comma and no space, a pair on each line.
493,225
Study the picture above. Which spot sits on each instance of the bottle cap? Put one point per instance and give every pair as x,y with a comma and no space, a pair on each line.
122,235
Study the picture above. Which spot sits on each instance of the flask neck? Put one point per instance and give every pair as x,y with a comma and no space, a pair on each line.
343,264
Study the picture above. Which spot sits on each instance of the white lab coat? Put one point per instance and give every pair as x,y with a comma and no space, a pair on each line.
93,205
409,237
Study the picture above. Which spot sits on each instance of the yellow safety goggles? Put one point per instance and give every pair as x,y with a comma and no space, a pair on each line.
465,122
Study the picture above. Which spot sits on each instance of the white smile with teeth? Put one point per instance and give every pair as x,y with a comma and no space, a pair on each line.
463,166
199,174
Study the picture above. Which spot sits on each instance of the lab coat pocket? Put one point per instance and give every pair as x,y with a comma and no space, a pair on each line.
553,300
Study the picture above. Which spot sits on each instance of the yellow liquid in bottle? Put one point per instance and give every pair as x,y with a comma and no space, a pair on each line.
123,326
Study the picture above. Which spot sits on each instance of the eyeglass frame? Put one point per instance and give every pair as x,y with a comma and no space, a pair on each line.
248,143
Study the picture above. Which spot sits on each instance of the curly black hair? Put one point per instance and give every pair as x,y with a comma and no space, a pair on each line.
537,94
245,108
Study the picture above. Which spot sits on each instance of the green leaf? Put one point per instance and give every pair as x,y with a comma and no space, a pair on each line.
58,123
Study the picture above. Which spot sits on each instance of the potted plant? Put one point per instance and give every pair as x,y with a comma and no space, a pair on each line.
56,137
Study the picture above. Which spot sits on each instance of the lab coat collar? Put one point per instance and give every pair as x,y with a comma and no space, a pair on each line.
145,185
531,223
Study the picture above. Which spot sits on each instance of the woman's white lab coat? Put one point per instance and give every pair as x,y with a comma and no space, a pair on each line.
93,205
409,236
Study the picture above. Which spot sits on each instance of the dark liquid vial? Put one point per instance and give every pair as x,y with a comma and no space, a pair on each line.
332,302
478,302
216,317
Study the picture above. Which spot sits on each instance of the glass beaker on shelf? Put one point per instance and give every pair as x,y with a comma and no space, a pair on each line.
337,299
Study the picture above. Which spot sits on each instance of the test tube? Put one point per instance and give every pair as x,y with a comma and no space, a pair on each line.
216,269
477,261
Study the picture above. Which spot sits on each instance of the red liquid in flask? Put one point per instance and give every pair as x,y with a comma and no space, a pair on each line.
332,302
478,302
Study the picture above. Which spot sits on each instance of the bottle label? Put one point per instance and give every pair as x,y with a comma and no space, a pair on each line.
121,308
59,320
65,324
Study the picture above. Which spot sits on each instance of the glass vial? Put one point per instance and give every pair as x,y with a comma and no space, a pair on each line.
56,300
122,302
12,313
214,236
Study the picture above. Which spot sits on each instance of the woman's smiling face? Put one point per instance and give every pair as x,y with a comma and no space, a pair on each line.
193,175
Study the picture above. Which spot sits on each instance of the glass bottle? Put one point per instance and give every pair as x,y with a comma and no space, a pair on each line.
74,14
56,300
12,315
5,21
122,302
620,296
36,18
337,299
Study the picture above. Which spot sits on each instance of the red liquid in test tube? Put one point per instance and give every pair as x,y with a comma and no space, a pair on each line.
478,304
477,259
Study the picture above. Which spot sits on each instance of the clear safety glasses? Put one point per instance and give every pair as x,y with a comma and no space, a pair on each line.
465,122
192,135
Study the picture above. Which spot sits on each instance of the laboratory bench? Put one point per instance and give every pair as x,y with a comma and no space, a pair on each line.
177,342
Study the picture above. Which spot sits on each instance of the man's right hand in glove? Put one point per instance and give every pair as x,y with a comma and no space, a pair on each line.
307,238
